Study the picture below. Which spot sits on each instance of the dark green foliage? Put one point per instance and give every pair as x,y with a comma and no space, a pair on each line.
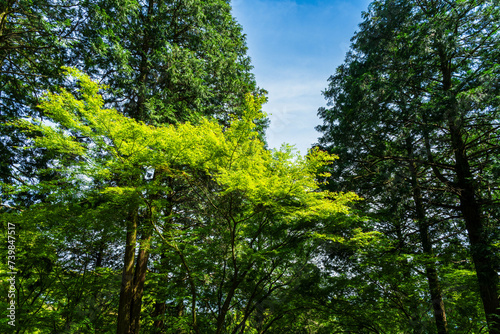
34,37
414,118
167,61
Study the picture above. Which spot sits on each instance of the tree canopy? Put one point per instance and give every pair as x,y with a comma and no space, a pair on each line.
137,192
414,118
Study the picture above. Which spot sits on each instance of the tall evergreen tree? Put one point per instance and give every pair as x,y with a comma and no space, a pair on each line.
419,88
167,61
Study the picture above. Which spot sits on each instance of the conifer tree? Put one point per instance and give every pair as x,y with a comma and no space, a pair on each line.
418,90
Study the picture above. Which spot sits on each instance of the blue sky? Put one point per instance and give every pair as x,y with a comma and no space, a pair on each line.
295,45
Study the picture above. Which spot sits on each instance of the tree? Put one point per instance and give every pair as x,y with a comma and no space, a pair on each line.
165,62
409,93
33,40
261,205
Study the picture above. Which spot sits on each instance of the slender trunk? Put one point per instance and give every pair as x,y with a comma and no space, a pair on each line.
436,299
139,280
132,299
470,207
192,288
430,266
225,307
160,307
227,303
401,302
127,287
236,280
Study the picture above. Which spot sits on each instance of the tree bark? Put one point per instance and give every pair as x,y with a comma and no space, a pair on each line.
470,207
430,265
160,309
482,256
139,280
127,287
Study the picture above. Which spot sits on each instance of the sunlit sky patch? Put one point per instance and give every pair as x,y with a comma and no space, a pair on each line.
295,45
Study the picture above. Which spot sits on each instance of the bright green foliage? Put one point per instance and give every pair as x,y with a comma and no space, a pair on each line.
233,222
235,157
165,62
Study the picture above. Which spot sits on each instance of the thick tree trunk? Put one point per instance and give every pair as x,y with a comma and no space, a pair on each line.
430,266
470,207
133,279
482,256
127,287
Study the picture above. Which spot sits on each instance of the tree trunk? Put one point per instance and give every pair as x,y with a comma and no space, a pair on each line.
139,280
127,287
430,265
470,207
482,256
160,309
433,280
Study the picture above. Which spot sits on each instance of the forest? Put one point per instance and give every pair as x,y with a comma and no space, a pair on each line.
138,193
